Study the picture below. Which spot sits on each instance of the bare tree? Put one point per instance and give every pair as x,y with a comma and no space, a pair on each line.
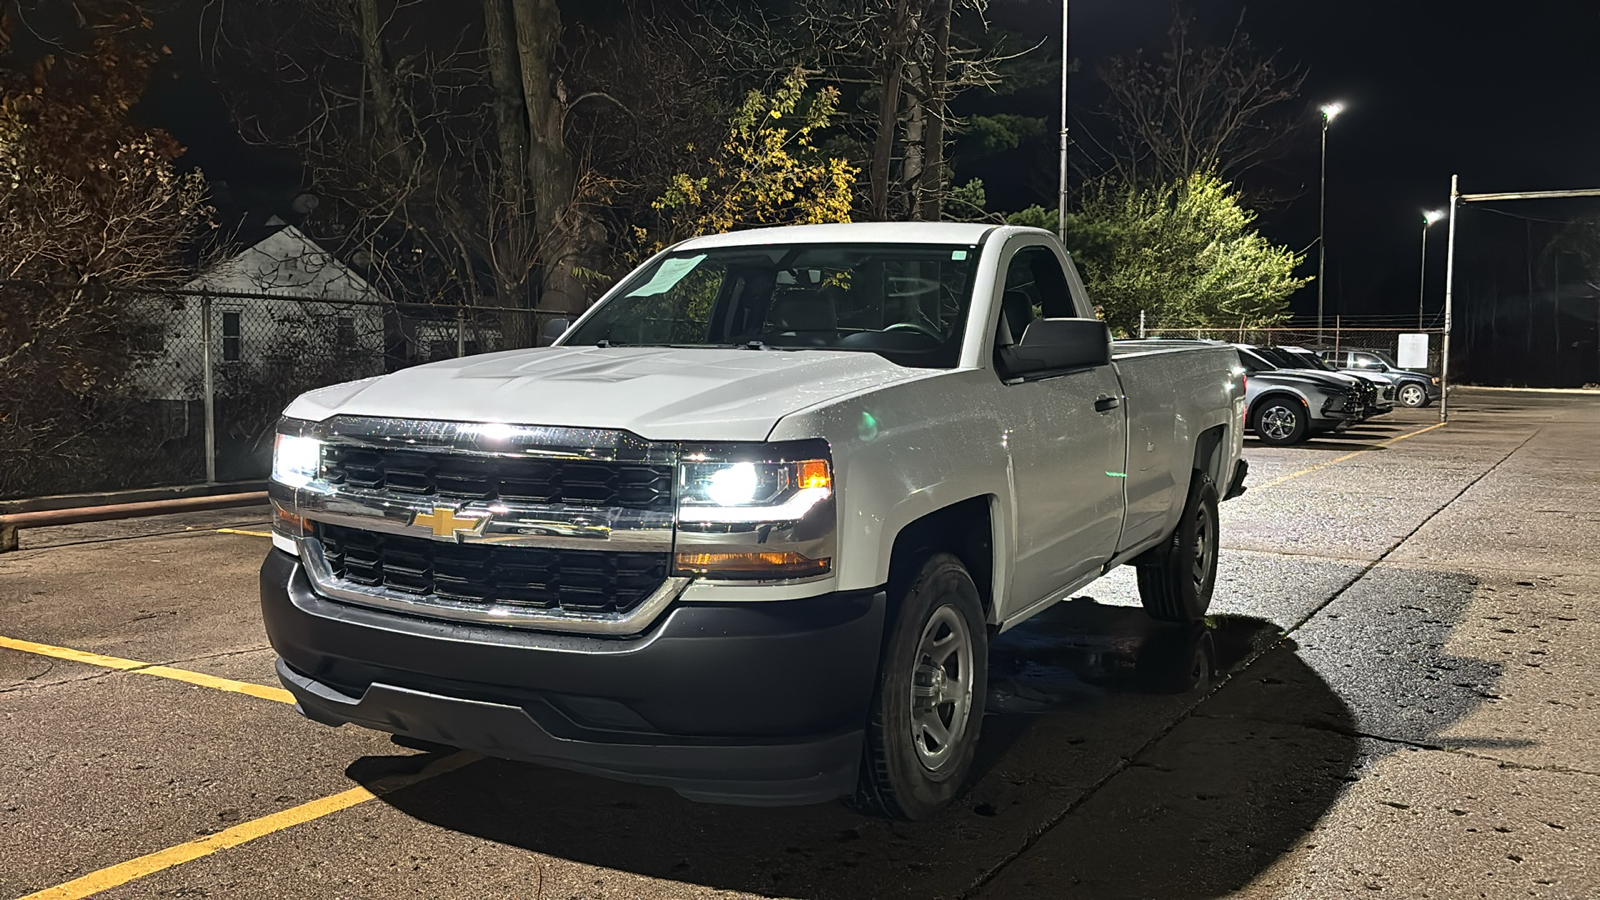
1216,108
383,101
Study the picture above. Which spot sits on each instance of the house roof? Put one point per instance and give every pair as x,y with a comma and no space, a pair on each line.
286,262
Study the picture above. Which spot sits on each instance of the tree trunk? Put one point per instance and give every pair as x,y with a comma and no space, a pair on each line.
552,175
384,114
916,118
937,105
510,211
895,42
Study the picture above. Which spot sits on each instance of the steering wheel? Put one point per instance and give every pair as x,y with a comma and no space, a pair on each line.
918,328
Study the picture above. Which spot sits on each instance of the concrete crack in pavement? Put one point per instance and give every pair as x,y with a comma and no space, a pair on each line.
1125,763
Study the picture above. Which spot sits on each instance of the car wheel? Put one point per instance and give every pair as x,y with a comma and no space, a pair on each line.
928,705
1176,579
1280,421
1413,395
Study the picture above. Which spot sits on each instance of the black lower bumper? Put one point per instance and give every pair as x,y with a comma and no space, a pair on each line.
756,703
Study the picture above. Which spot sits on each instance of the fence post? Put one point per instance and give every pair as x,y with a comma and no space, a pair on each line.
1337,323
461,332
207,360
1141,324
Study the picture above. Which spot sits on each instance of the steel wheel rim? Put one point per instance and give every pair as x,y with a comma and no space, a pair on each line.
1278,422
941,687
1411,395
1205,534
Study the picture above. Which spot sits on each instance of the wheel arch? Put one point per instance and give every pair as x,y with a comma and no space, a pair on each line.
965,529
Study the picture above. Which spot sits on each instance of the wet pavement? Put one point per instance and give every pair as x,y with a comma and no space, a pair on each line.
1396,692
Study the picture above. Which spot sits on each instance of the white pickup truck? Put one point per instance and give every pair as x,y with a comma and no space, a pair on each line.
747,528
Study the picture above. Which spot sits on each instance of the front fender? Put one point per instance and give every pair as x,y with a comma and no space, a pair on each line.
903,452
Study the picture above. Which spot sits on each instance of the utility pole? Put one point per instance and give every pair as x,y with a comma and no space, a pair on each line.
1061,202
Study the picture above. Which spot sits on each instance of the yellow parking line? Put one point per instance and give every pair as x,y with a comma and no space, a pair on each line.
244,832
1378,446
143,668
242,531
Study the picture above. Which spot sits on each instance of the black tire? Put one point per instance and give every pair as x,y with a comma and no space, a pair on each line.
898,779
1176,579
1279,421
1412,395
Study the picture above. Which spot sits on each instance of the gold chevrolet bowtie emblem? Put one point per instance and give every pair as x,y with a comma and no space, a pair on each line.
444,523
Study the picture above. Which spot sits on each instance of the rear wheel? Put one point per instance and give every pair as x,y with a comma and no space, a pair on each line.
1176,579
1280,421
928,705
1413,395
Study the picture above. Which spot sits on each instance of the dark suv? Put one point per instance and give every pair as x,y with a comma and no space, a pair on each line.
1412,388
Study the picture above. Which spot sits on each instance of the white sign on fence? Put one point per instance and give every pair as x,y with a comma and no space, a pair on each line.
1413,351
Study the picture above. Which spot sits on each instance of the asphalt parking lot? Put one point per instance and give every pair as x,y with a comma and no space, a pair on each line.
1406,637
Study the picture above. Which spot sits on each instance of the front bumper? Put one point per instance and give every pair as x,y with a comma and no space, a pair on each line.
756,703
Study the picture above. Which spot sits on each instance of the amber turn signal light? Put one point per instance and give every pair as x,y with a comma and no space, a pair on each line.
765,566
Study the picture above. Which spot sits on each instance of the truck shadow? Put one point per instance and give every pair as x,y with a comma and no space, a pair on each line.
1079,698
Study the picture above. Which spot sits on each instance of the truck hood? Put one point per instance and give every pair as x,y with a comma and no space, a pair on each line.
658,393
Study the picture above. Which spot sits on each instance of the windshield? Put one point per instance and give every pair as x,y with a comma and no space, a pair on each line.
1281,358
1309,360
1254,361
906,302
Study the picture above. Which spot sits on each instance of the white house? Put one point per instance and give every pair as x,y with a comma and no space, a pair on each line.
330,320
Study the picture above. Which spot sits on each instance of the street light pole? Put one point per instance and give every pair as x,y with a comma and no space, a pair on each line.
1061,201
1329,111
1449,301
1428,218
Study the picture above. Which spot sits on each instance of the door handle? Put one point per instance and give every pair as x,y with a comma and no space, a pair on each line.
1107,404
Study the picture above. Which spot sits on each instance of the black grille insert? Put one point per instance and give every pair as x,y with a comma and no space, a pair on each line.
628,485
586,581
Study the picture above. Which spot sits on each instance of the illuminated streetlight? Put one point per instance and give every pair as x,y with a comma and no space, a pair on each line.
1329,112
1428,218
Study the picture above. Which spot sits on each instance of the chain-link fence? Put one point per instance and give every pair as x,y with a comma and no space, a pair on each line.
128,388
1335,335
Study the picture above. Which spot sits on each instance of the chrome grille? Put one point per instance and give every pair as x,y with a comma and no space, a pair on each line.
569,482
584,581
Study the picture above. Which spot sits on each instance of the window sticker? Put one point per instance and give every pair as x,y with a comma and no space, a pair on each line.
667,277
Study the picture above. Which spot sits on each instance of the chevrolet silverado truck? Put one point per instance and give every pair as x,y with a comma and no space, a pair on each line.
747,528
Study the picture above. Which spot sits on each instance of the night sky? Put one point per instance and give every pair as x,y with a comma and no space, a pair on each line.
1432,87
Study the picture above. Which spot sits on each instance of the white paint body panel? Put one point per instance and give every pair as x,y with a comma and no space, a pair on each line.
1070,489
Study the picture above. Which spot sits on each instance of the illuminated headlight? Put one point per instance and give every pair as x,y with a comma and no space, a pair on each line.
295,460
753,491
762,512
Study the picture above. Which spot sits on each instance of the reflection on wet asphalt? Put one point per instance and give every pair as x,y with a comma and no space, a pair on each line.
1082,651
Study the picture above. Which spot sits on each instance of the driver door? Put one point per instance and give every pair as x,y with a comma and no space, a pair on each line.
1067,446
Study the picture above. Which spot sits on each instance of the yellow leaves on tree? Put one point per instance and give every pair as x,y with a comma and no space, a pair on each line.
768,171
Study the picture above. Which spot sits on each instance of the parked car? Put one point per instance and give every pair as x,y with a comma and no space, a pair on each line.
1413,389
1299,358
746,530
1366,393
1288,406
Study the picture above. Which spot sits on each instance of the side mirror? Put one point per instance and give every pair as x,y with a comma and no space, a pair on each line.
1055,345
555,328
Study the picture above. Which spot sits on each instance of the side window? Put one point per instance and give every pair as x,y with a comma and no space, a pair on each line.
1036,288
1367,361
232,339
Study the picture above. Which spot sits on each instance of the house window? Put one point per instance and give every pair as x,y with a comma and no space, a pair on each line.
344,333
230,337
